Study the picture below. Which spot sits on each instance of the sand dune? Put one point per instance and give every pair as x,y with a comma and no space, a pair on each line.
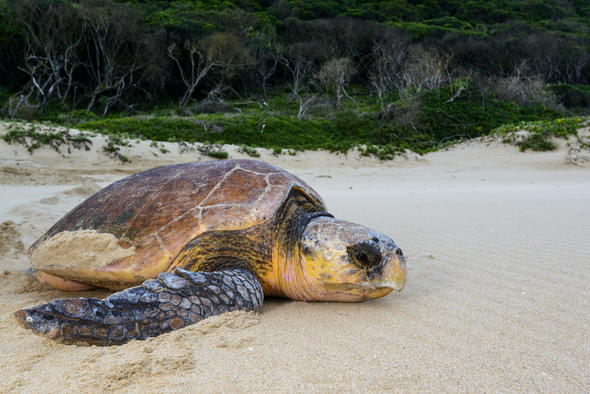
497,297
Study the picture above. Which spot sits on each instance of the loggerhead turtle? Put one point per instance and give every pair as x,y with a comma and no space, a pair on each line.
217,236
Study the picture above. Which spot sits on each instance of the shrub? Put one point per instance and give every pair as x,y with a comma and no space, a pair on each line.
537,135
446,118
218,154
572,96
250,151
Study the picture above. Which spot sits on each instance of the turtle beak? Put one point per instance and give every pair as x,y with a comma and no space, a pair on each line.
394,273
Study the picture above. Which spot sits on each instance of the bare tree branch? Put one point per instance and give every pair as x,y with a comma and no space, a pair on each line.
334,76
53,35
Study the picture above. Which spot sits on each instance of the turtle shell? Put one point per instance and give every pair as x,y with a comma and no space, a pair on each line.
134,228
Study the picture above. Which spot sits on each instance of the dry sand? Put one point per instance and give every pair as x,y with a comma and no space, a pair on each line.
497,299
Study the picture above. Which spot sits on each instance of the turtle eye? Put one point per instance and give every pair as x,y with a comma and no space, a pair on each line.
364,254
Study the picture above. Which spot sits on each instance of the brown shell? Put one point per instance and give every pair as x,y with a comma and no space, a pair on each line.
159,210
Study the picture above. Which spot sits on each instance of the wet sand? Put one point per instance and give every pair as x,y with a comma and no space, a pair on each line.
497,298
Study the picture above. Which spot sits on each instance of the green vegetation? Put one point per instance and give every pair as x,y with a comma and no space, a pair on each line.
437,123
383,152
288,75
33,139
573,96
252,152
218,154
538,135
465,15
113,147
161,147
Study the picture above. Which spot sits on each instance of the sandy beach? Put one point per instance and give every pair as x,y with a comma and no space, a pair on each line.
497,298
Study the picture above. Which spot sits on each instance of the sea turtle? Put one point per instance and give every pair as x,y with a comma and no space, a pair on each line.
184,242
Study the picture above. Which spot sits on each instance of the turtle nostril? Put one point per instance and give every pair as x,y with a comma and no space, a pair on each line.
363,259
399,252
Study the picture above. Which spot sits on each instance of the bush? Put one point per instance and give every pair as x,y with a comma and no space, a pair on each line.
537,135
572,96
252,152
218,154
446,117
383,152
437,117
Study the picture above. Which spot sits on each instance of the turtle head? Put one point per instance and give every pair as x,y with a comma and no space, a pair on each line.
342,261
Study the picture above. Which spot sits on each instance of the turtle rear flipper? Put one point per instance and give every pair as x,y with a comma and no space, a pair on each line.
172,301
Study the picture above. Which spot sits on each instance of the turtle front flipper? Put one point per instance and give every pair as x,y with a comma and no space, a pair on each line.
174,300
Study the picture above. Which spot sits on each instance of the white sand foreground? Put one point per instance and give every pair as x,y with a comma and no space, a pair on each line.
497,298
